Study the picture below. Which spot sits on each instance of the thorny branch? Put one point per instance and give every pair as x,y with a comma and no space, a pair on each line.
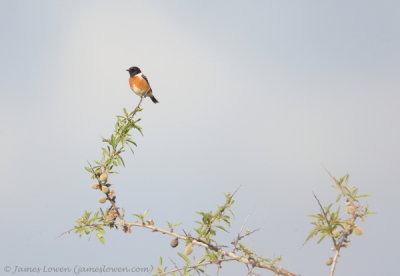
251,260
177,269
226,255
340,238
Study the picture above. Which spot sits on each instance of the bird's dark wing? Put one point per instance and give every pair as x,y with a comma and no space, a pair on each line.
147,81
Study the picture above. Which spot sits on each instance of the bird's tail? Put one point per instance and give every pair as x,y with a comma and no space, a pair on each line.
153,98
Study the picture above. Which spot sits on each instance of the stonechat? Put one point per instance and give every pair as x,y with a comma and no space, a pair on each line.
139,83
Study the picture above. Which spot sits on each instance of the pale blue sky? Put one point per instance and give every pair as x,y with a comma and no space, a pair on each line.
252,93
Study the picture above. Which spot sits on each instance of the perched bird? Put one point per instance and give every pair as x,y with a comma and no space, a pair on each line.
140,84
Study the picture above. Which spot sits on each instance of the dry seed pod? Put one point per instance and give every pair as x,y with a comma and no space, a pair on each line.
329,261
336,233
103,177
98,172
113,212
174,243
109,217
127,229
104,189
350,210
94,186
102,199
357,230
188,249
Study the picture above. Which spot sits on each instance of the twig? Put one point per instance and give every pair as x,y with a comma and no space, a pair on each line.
334,261
341,241
326,219
224,255
176,270
239,237
231,255
112,200
66,232
336,246
217,262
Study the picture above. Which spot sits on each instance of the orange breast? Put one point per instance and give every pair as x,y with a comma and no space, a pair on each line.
138,83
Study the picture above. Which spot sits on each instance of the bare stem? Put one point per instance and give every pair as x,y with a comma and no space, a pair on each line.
217,262
334,261
201,243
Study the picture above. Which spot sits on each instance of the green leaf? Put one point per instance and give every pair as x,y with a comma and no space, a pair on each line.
101,230
131,141
312,234
337,212
100,237
264,259
363,196
323,235
276,260
227,221
202,259
221,227
139,216
169,225
184,257
198,230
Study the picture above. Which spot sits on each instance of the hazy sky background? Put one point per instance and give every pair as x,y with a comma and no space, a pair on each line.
260,94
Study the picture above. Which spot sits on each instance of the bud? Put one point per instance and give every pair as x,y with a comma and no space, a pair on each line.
174,243
350,210
150,222
113,212
357,230
109,217
111,193
329,261
127,229
98,172
188,249
104,189
102,199
336,233
94,186
103,177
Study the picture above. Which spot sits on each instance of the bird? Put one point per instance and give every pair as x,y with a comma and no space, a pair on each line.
139,83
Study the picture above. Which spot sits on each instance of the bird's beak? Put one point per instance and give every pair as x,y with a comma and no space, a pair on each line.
127,70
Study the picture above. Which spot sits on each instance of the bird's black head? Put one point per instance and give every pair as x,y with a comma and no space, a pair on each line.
133,71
